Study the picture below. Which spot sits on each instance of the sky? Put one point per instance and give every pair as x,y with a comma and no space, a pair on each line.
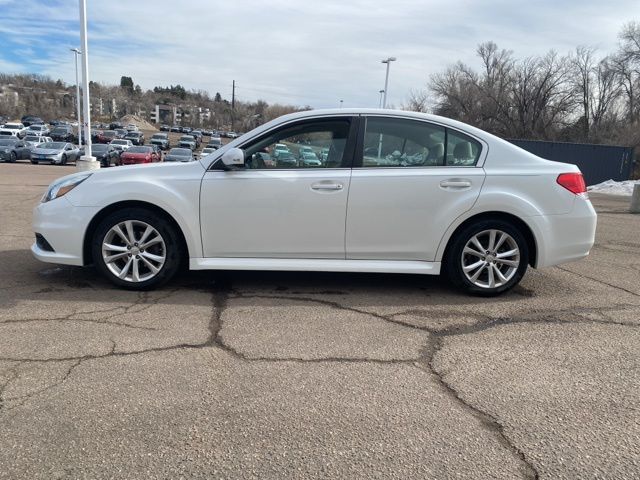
300,52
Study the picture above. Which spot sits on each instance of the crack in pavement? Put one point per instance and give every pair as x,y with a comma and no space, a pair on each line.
602,282
222,292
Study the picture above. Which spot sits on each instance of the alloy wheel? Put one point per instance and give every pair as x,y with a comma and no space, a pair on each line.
490,259
134,251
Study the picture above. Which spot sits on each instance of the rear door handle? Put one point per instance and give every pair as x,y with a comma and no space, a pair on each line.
455,183
326,186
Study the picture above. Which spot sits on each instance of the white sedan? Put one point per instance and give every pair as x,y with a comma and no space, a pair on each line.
398,192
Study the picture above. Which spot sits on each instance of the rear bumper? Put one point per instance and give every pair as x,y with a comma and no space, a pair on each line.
566,238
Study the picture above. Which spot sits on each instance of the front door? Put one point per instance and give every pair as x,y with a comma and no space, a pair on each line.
290,199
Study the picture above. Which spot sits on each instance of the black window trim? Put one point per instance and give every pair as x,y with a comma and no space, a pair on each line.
359,153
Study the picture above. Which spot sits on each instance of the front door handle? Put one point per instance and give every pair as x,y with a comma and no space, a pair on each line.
455,183
327,186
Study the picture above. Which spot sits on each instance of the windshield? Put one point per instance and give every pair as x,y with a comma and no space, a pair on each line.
31,138
159,136
120,142
139,150
12,126
180,152
52,145
99,147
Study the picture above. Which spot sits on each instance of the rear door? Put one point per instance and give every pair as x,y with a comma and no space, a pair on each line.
411,180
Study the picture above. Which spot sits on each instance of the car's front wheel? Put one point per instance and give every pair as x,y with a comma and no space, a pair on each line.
487,257
137,249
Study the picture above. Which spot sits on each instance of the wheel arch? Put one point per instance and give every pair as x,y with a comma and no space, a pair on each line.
516,221
102,214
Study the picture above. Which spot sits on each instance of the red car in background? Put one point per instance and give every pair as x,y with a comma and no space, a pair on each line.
141,154
104,137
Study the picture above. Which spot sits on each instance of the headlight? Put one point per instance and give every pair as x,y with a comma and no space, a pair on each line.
6,150
62,187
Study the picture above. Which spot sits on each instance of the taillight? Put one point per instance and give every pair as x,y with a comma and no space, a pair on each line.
574,182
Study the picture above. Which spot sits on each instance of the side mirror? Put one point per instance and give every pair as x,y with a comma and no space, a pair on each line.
233,156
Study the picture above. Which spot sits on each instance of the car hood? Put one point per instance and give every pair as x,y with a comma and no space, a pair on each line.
48,151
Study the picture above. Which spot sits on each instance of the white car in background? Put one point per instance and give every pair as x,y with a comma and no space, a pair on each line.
37,129
35,140
121,145
426,195
13,129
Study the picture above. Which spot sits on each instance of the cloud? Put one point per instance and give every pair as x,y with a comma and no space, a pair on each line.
299,52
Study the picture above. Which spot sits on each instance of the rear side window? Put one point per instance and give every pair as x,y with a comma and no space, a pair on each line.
398,142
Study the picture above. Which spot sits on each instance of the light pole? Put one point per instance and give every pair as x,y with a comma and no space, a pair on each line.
77,52
87,161
386,80
380,100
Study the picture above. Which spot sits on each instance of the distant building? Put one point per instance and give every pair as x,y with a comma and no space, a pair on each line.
164,114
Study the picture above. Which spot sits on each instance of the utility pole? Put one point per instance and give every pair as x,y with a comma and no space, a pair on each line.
386,80
77,52
87,161
233,106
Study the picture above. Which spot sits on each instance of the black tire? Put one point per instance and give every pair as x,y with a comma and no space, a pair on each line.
13,157
35,162
453,262
64,159
172,244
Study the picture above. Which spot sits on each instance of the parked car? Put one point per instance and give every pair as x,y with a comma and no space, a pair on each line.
186,129
138,154
28,120
115,125
160,139
13,148
232,135
157,151
35,140
197,134
164,128
62,133
131,127
207,133
137,138
105,154
179,155
187,141
121,132
121,144
14,130
176,128
214,142
106,136
56,153
478,209
207,151
286,160
37,129
309,159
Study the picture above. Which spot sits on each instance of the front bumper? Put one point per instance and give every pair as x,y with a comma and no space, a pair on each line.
46,158
63,226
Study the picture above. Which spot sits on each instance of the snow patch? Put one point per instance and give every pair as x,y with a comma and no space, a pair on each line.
612,187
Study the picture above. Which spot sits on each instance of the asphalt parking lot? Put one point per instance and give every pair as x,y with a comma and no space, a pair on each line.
294,375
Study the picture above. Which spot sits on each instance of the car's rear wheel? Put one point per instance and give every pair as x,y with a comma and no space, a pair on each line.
137,249
487,257
13,157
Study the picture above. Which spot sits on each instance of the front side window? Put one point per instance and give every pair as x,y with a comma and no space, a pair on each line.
308,144
398,142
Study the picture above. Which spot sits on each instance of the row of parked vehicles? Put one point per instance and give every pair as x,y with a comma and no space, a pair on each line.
117,152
